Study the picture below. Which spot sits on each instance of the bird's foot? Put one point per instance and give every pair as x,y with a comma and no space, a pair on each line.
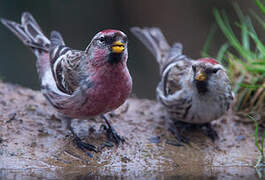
83,145
177,130
209,131
113,135
76,140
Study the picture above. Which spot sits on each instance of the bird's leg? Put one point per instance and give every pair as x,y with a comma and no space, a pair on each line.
209,131
178,129
80,144
111,133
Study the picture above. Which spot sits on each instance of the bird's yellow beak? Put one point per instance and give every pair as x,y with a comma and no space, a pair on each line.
200,76
117,47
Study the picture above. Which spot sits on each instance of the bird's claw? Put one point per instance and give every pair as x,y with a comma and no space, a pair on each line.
113,135
209,131
105,144
179,135
181,127
84,146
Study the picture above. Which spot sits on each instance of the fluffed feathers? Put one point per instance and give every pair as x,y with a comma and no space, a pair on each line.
193,91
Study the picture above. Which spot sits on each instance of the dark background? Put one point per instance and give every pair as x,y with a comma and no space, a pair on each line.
185,21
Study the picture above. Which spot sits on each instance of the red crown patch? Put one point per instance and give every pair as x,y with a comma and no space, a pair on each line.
209,60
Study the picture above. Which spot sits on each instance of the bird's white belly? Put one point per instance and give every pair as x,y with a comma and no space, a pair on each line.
204,111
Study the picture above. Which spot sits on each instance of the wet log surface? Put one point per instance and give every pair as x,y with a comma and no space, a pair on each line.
34,143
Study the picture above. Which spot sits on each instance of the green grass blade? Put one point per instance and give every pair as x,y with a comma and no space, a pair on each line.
250,25
260,5
226,28
239,13
221,52
244,29
238,83
207,44
258,19
256,133
259,63
259,44
262,139
249,86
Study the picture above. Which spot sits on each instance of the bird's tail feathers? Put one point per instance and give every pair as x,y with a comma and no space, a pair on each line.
153,39
156,42
29,32
56,39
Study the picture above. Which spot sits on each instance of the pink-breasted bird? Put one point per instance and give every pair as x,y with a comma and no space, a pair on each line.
193,91
79,84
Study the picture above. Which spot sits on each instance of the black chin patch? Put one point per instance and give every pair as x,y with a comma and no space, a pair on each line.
114,58
202,86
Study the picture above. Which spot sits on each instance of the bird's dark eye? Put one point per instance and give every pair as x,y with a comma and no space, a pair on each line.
193,68
215,70
101,39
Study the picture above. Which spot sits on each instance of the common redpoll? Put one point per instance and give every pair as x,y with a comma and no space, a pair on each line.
193,91
79,84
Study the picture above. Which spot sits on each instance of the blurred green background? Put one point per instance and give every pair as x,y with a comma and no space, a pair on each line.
185,21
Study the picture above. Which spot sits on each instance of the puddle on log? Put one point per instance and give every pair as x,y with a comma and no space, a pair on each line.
242,173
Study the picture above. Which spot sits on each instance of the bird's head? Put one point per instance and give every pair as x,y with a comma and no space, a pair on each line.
208,75
108,46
